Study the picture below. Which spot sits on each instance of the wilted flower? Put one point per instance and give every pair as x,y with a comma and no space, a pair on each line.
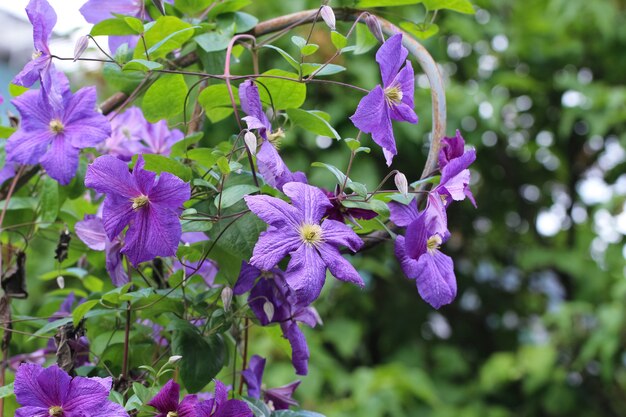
52,392
91,231
296,230
392,101
269,288
55,126
339,212
149,206
278,398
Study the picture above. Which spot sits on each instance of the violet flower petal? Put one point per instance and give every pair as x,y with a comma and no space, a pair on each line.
435,281
390,56
273,245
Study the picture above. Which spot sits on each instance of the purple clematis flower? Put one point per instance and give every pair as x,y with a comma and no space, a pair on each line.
296,230
54,129
271,166
455,175
91,232
420,257
132,134
221,406
271,287
149,206
277,398
51,392
43,18
392,101
167,402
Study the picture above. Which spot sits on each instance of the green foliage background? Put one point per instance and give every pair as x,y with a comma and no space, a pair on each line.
539,325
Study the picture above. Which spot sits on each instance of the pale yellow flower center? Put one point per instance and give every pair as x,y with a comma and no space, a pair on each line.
36,54
433,243
172,414
393,94
56,126
55,411
140,201
311,233
275,137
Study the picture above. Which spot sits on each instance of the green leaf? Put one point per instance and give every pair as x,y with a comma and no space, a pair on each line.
160,163
180,147
355,146
6,390
135,24
290,60
312,121
341,177
165,35
196,349
49,201
258,407
203,156
141,65
192,6
119,80
309,49
420,30
385,3
216,101
338,40
217,39
228,6
364,40
244,22
238,239
223,165
142,392
299,41
461,6
232,195
117,27
165,98
80,311
329,69
285,94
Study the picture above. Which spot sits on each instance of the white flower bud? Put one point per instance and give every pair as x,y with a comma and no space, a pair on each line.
401,183
329,16
173,359
80,47
227,297
250,139
61,281
268,308
374,26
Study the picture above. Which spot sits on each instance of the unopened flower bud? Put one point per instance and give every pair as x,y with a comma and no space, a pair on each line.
401,183
329,16
61,281
374,26
81,46
173,359
227,297
268,308
250,140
